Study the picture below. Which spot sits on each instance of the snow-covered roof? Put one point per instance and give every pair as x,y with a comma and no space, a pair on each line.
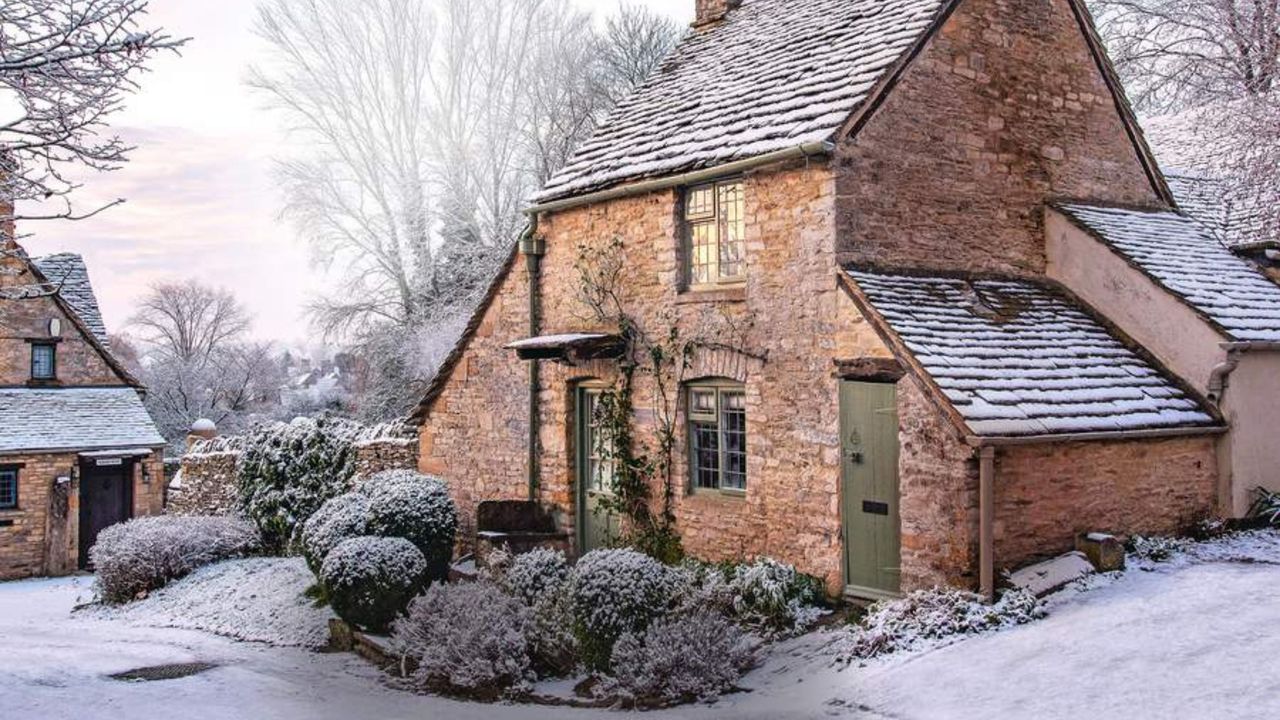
68,272
1021,358
74,419
555,341
774,74
1179,255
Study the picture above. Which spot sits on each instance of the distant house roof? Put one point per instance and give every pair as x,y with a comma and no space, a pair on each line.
70,275
1175,252
74,419
773,75
1019,358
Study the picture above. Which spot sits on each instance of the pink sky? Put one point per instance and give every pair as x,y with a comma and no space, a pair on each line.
200,198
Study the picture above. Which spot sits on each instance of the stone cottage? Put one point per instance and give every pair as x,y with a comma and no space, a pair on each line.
823,247
78,451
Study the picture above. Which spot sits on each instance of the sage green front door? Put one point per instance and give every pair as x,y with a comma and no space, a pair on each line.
597,527
872,532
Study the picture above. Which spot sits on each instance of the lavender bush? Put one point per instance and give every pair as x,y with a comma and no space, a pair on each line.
141,555
682,658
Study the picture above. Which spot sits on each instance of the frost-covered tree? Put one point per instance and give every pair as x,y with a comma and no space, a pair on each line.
426,124
197,361
1218,63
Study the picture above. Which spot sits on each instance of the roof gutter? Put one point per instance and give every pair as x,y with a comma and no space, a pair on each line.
978,441
799,152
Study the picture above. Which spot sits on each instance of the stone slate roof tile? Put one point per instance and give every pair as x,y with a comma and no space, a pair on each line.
68,271
74,419
1023,358
773,75
1175,252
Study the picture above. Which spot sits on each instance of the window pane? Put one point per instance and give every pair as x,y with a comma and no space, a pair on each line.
8,489
704,402
706,456
732,247
42,362
700,203
733,426
599,453
702,246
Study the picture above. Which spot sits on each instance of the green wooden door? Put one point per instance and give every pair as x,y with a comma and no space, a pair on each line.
872,532
597,527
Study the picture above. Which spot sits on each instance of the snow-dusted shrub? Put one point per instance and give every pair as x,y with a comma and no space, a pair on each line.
467,639
533,575
288,470
935,614
144,554
765,595
1157,549
552,642
1267,507
340,518
681,658
370,580
416,507
612,592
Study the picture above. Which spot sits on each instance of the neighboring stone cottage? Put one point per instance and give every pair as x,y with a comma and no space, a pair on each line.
78,451
826,220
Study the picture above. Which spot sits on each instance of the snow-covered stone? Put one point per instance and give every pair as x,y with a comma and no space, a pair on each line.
1043,578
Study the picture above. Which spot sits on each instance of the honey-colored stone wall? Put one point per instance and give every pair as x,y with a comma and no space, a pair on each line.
1003,110
45,533
1046,495
78,361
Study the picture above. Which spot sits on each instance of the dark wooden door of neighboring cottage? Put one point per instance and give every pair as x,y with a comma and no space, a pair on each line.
597,526
872,531
106,498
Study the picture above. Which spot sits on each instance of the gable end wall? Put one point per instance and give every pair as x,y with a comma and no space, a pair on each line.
1004,109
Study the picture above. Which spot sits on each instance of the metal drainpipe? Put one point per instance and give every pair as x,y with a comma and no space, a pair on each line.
986,521
534,248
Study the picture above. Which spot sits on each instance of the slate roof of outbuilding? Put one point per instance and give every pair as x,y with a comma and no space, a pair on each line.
1175,252
774,74
74,419
1021,358
67,271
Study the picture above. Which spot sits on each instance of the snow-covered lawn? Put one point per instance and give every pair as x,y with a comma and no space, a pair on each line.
1189,639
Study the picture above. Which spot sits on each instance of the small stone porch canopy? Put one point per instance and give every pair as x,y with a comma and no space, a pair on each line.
1211,316
570,347
1020,358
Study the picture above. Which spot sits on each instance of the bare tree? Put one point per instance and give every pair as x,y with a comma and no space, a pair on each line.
1218,63
189,321
635,42
427,124
69,65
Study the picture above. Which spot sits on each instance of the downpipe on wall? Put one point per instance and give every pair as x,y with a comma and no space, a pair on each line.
534,248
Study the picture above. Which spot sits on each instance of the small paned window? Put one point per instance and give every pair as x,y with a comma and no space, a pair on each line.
715,218
44,362
718,437
8,488
599,445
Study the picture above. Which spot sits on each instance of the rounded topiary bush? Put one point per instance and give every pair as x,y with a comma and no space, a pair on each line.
535,574
341,518
370,580
416,507
612,592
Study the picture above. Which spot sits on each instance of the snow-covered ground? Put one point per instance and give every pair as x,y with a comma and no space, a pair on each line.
1193,638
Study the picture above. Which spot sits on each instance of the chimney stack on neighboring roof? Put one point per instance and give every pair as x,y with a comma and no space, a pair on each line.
713,11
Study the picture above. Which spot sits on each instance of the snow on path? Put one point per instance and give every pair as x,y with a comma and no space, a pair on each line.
1192,639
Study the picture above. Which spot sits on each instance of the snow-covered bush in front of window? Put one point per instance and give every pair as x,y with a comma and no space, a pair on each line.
932,615
288,470
416,507
534,575
467,639
339,519
681,658
369,581
612,592
144,554
1157,549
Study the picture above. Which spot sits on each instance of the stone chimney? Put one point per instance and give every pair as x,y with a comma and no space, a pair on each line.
713,11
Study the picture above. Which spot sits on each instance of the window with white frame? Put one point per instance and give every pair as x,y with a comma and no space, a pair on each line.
715,230
718,436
